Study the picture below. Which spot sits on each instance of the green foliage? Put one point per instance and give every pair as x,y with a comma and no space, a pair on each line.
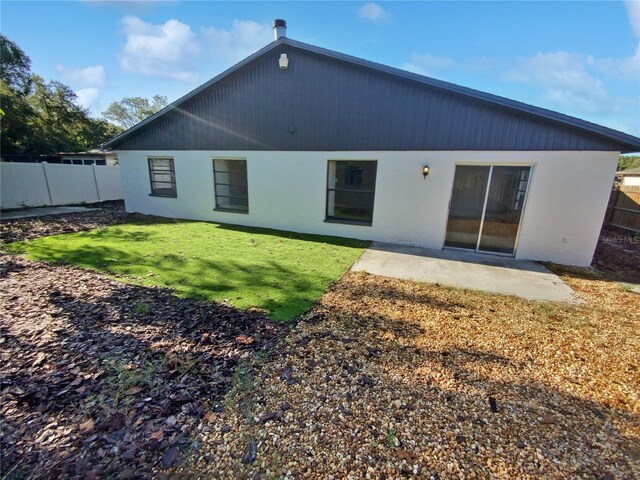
390,438
628,161
283,273
143,309
59,124
42,117
132,110
15,129
122,379
15,66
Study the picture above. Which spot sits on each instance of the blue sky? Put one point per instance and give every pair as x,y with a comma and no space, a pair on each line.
579,58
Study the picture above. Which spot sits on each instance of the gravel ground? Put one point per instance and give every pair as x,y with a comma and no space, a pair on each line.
393,379
110,213
105,380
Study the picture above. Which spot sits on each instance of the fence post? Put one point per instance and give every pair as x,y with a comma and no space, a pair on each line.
95,179
613,202
46,180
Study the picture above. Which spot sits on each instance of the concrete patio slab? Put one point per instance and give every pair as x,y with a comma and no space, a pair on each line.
42,211
465,270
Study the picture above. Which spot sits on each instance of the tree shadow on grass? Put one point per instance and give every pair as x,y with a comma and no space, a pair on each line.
281,291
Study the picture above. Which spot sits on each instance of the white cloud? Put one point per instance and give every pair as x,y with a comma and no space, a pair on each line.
89,98
166,50
567,83
373,12
633,9
173,50
244,38
623,68
84,77
425,64
570,82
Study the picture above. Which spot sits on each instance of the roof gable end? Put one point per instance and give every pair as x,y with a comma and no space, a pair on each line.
353,107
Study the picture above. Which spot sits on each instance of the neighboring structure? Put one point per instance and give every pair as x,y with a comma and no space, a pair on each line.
92,157
630,177
300,138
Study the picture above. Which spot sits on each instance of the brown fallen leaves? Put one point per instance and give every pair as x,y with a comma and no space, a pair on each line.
110,213
93,389
398,379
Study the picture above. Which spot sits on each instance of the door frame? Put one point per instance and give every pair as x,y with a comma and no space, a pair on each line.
532,170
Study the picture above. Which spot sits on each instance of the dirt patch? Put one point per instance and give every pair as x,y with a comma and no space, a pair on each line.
101,379
393,379
618,254
110,213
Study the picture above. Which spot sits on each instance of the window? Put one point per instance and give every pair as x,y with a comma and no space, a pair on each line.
230,179
163,177
350,191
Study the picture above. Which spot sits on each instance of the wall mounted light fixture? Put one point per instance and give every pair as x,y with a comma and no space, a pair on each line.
425,171
284,61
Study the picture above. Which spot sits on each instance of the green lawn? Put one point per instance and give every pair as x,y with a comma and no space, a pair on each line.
281,272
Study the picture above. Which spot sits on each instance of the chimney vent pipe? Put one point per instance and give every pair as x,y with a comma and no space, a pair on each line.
279,28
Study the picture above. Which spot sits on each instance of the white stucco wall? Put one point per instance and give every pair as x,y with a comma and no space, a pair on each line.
565,206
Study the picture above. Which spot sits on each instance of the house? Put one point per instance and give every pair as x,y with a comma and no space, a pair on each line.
629,177
299,138
92,157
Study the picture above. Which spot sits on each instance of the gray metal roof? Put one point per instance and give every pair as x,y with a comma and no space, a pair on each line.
328,101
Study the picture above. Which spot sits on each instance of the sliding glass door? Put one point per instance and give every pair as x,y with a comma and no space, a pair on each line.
486,207
467,205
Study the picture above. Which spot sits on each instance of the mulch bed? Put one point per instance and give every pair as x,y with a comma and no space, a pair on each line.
101,379
396,379
618,254
110,213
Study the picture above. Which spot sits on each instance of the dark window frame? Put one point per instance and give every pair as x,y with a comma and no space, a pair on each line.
172,173
334,219
217,206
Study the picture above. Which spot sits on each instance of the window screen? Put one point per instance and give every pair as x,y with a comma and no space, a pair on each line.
350,190
163,177
230,177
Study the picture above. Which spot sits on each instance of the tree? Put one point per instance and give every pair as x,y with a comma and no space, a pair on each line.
14,122
132,110
628,161
99,131
59,124
15,66
42,117
15,85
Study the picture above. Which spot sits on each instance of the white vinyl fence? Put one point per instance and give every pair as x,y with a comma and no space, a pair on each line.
37,184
